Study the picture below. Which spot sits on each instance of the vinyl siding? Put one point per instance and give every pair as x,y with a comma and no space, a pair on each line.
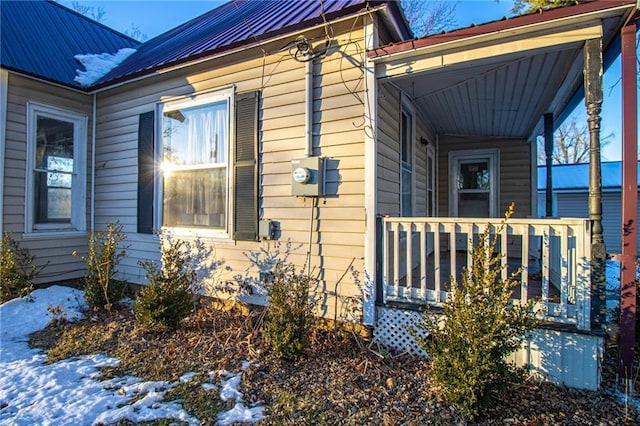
338,224
51,248
515,171
388,157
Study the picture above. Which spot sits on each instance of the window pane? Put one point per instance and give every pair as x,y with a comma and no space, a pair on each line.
474,175
474,204
59,204
405,138
196,135
54,174
196,198
405,206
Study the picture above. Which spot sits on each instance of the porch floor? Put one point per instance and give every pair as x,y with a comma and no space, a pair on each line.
534,281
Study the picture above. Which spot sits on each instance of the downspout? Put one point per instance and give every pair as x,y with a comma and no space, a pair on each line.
4,77
93,163
308,125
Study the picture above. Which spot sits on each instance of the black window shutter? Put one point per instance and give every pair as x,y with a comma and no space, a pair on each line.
245,167
146,159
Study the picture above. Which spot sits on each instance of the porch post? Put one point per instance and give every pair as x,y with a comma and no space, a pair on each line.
628,308
548,151
593,100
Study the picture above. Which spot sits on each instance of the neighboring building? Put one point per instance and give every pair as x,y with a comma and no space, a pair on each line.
571,196
317,133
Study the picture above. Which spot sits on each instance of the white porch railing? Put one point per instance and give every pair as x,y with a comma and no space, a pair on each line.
419,255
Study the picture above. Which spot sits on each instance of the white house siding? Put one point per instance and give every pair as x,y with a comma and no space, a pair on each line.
515,171
339,220
50,247
576,204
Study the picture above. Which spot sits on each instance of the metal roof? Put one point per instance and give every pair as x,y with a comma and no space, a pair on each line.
235,24
576,176
41,38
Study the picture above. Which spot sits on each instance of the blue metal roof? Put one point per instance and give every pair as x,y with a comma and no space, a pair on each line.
233,25
576,176
41,38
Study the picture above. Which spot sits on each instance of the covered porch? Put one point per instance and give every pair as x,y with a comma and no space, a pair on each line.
476,100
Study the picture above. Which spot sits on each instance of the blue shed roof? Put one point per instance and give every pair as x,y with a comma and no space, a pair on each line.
41,38
576,176
235,24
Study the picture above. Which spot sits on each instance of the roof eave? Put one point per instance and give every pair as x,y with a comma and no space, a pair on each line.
497,29
42,79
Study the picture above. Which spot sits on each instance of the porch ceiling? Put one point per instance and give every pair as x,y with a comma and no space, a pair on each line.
504,97
499,79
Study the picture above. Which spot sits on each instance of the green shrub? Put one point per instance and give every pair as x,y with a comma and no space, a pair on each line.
102,290
169,297
17,269
290,314
478,328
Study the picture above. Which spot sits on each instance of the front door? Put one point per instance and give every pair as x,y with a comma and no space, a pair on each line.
474,183
473,187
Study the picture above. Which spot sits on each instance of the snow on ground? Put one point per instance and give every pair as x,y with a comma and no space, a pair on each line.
98,65
69,392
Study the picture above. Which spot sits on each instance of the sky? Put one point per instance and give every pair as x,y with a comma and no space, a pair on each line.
70,392
154,17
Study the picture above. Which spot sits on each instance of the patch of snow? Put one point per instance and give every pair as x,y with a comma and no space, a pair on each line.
187,377
27,315
98,65
230,387
239,413
209,386
67,392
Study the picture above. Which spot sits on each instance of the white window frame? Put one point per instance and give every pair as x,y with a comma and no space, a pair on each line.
78,221
407,109
493,155
204,98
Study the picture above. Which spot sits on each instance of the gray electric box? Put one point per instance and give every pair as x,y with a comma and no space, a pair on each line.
307,175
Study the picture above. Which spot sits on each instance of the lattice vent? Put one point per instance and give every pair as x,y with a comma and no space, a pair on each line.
392,331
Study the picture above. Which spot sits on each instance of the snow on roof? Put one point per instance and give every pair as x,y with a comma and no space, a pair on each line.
98,65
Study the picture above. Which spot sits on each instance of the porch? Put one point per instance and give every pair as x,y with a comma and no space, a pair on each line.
548,257
481,98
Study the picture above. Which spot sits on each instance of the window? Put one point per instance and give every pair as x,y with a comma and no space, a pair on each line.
195,163
56,177
200,176
195,152
406,163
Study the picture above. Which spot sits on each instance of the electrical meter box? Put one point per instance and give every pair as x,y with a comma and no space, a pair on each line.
307,175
